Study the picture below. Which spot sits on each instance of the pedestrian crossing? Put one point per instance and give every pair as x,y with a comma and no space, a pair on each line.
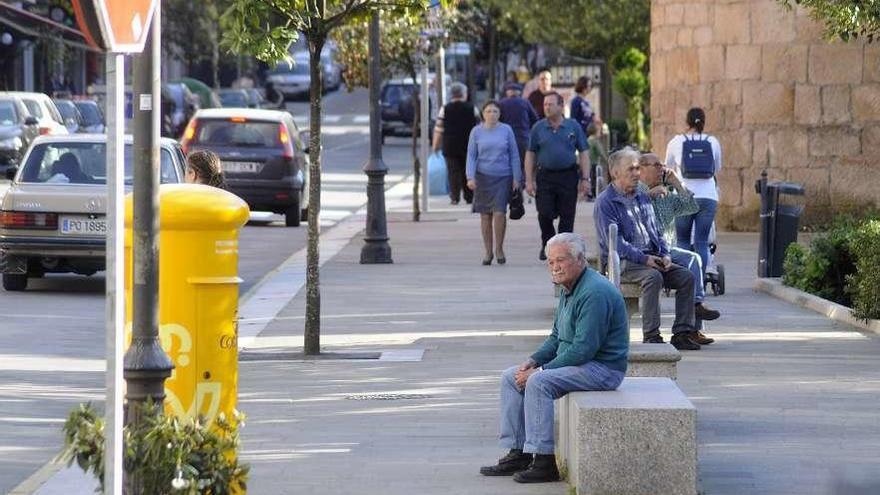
335,119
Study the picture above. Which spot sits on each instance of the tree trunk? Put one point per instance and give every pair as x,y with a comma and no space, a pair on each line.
417,164
312,336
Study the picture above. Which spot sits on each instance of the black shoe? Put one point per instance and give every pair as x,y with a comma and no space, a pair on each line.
487,260
705,313
701,339
542,470
655,339
684,342
513,462
542,255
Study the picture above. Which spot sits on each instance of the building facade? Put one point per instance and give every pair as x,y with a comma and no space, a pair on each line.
777,95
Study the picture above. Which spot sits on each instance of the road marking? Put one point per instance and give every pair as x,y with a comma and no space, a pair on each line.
361,119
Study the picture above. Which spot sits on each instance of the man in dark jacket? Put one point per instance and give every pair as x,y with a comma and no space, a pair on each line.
518,113
451,133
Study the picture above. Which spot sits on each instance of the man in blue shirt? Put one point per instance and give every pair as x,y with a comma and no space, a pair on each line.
587,350
518,113
557,169
644,255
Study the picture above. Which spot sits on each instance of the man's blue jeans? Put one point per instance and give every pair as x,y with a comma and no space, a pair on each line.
527,415
691,261
700,223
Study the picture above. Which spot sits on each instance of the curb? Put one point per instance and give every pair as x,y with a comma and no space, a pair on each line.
832,310
36,480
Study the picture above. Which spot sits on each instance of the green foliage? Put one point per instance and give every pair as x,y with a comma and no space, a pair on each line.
864,283
844,19
166,453
631,82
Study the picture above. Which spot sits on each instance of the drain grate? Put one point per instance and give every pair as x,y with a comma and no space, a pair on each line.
388,396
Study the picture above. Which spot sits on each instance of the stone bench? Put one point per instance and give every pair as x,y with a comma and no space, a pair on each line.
656,360
639,439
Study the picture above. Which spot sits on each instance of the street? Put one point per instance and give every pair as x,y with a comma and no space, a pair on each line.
51,356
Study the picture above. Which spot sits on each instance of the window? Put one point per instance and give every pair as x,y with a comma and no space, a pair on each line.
34,108
83,163
8,115
228,133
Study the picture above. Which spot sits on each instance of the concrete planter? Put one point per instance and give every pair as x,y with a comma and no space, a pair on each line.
837,312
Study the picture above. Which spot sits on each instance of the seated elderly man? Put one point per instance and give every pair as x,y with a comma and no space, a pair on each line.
670,199
586,350
644,255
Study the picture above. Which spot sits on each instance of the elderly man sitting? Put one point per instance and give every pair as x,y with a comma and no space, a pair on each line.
644,255
587,350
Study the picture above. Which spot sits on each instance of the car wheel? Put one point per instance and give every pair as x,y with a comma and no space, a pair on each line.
15,281
291,215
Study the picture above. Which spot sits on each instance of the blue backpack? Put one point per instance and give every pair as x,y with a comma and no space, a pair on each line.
697,160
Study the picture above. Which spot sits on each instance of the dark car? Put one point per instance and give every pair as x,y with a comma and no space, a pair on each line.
235,98
263,157
397,99
93,117
17,129
73,120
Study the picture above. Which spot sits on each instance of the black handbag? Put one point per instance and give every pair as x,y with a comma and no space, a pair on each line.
517,210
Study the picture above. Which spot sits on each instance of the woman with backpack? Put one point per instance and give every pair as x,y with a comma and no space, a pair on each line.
696,158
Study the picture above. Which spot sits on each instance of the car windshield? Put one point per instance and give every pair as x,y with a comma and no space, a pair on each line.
34,108
90,113
395,93
8,115
300,68
82,163
67,109
233,99
231,133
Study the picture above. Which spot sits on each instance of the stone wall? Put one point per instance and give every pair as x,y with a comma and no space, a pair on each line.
777,96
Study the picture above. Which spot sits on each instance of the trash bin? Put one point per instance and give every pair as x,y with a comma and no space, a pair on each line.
780,219
198,295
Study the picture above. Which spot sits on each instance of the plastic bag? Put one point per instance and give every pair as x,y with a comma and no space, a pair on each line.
438,179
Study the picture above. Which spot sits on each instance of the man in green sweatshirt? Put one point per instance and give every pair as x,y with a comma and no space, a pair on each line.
586,350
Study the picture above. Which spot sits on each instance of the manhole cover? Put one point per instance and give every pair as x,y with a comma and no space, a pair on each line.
387,396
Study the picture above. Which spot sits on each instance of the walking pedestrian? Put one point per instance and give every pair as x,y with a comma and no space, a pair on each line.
580,109
493,172
203,167
545,87
557,169
451,133
518,113
696,158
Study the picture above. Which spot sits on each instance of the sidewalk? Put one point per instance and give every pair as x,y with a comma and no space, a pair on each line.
787,400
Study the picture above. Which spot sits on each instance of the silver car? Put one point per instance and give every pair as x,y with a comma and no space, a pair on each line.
53,216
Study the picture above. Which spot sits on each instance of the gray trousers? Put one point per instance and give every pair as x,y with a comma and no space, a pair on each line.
652,281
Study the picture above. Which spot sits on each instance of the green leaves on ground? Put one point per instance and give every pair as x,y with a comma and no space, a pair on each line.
845,19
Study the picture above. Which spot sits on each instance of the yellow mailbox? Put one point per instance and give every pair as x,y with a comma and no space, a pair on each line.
198,295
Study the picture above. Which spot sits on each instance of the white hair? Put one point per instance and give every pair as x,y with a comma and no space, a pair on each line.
458,90
576,244
625,156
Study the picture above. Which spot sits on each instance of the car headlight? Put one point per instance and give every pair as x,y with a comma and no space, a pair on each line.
13,143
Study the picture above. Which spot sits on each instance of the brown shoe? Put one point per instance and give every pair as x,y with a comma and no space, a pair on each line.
705,313
701,339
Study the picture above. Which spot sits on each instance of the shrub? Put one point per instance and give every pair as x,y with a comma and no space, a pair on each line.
167,454
864,283
822,269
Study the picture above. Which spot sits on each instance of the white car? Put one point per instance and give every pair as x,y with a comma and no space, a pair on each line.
53,216
41,107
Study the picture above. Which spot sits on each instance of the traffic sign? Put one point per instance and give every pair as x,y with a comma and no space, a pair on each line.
116,26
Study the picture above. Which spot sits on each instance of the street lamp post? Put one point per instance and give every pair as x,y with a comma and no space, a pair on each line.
376,248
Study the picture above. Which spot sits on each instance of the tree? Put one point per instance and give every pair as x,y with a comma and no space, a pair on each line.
400,54
266,29
845,19
191,33
631,83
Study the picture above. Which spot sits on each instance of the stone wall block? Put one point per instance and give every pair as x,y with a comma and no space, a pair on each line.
872,63
771,103
685,37
817,184
784,63
730,184
737,148
743,62
851,186
835,105
703,36
731,23
658,16
772,23
866,103
760,148
727,93
871,139
673,14
835,141
658,74
807,104
806,29
835,63
788,148
696,14
711,63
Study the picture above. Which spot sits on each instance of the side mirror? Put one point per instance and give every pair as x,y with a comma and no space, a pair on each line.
10,173
31,121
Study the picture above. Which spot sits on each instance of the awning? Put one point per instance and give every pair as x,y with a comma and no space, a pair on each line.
29,24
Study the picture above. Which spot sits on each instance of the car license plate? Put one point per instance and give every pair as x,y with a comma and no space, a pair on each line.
83,226
242,167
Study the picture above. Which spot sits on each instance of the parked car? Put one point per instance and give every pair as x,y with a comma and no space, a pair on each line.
41,107
93,117
291,79
256,97
73,121
332,70
53,217
179,104
234,98
17,129
262,154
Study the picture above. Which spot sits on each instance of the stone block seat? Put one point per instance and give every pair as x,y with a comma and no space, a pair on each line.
657,360
637,440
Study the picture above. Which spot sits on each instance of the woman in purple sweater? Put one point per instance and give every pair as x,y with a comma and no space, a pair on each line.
493,172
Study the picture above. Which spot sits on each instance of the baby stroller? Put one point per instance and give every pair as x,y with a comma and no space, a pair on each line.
714,272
